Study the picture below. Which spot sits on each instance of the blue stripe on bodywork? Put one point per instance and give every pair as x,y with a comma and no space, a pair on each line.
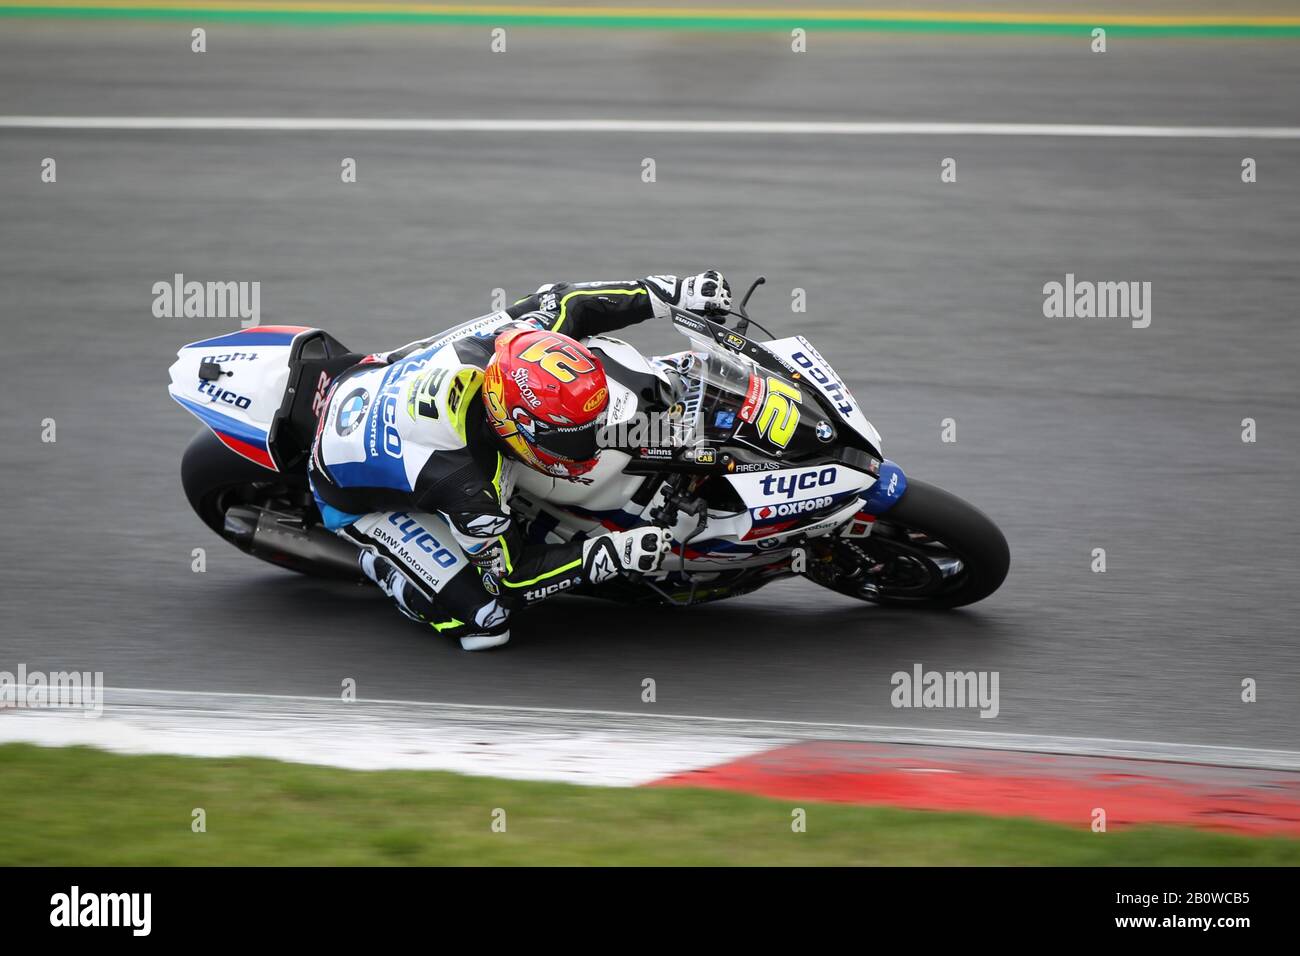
224,423
245,339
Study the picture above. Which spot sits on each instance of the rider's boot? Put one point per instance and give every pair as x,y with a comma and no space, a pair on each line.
491,621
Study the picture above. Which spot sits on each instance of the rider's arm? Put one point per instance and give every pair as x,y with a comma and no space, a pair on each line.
583,309
519,573
465,488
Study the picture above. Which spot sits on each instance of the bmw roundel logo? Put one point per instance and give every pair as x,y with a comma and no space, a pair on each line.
351,412
824,431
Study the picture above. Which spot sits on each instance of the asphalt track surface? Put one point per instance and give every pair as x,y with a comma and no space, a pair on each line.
1072,434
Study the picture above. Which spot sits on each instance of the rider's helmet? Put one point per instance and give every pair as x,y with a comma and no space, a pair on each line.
547,397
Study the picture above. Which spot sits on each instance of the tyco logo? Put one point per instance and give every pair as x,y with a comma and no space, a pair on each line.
836,389
413,534
536,594
222,395
387,407
788,484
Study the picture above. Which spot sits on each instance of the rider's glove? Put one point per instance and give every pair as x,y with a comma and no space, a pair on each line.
639,551
705,294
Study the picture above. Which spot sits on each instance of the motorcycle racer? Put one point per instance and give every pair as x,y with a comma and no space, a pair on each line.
415,451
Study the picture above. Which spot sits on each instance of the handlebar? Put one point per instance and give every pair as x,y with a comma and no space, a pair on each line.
739,312
743,325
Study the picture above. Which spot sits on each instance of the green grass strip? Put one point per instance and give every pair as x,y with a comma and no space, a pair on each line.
664,21
83,807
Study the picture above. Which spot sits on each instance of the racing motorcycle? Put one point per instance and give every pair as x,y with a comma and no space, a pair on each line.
769,468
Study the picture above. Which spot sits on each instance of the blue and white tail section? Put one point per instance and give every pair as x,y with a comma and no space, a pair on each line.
235,384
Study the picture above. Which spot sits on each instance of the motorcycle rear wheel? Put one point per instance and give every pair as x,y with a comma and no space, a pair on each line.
216,480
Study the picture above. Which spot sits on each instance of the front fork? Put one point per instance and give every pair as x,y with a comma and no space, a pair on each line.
884,494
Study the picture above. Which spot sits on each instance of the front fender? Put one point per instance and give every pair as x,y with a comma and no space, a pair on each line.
887,491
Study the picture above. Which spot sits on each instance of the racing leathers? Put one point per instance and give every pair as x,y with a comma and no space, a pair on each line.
406,465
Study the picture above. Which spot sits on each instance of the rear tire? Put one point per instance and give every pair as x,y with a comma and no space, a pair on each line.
209,469
943,553
216,479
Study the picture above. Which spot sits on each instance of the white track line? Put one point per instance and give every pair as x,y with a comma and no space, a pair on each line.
364,735
679,728
694,127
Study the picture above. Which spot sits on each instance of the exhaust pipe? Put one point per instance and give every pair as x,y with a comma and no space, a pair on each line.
283,539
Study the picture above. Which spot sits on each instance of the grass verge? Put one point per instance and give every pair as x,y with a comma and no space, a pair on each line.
81,807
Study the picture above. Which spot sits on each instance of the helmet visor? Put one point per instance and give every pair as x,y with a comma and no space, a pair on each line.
577,443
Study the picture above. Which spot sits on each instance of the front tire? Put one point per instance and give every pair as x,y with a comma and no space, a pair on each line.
931,550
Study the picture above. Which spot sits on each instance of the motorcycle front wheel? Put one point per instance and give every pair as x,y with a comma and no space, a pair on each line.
931,550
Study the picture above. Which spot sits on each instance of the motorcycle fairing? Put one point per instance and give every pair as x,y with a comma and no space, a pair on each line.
776,505
798,500
235,385
797,352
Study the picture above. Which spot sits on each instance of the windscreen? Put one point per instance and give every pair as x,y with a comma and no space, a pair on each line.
720,390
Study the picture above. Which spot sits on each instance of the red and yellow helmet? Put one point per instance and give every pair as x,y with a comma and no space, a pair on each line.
547,397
